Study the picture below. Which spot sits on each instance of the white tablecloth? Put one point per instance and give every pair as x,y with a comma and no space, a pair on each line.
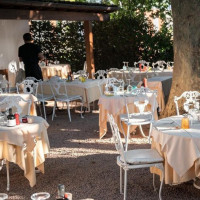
179,147
12,141
116,105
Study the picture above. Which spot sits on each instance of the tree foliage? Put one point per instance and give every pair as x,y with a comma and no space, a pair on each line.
128,36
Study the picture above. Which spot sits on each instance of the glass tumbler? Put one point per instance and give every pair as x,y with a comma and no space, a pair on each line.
40,196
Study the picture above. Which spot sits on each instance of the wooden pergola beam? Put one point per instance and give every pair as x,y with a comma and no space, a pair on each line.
51,15
89,48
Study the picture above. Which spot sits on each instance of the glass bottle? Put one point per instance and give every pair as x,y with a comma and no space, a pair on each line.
129,87
185,123
11,118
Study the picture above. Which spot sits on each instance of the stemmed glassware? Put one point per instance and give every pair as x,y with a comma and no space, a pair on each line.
3,196
124,66
121,87
129,87
40,195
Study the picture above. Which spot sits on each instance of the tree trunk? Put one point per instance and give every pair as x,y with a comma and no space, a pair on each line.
186,74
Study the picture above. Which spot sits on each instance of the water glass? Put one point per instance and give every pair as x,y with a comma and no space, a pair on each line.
40,196
129,87
3,196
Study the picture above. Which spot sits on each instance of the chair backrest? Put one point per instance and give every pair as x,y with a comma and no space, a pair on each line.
80,73
56,85
12,67
14,102
191,101
32,78
100,74
5,86
170,64
113,83
116,137
142,65
28,87
159,65
142,100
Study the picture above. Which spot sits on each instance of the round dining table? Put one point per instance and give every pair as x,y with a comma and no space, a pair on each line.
179,147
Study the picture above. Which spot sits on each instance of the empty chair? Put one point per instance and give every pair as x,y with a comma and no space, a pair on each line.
144,116
159,65
170,64
114,85
41,96
80,73
191,101
5,86
14,103
142,65
28,87
134,159
59,91
100,74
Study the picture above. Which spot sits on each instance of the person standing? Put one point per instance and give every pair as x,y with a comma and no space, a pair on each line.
30,54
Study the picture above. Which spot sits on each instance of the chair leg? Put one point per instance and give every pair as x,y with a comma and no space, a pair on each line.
8,176
161,184
154,186
121,176
44,110
82,108
141,130
127,137
68,109
54,108
125,183
150,129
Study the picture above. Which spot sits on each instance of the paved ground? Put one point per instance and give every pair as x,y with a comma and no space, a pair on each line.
87,166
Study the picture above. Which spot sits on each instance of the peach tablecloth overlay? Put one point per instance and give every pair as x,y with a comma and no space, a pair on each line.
116,105
157,85
121,74
89,90
12,141
55,70
24,105
180,148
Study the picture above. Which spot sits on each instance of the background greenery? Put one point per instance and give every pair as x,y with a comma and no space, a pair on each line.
128,36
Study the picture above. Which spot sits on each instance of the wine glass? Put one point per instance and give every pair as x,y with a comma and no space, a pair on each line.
129,87
3,196
127,67
121,87
124,66
40,195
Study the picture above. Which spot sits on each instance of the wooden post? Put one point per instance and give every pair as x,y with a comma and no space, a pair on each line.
89,48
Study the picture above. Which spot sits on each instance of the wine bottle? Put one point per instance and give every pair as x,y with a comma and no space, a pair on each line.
11,118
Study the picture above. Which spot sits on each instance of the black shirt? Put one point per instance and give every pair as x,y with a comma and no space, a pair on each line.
29,54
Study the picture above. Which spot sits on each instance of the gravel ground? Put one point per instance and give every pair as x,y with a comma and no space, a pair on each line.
87,166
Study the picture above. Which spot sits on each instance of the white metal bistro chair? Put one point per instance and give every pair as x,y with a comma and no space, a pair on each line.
143,67
28,87
113,84
159,65
191,101
143,117
41,96
5,104
170,64
79,73
134,159
5,86
100,74
62,96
